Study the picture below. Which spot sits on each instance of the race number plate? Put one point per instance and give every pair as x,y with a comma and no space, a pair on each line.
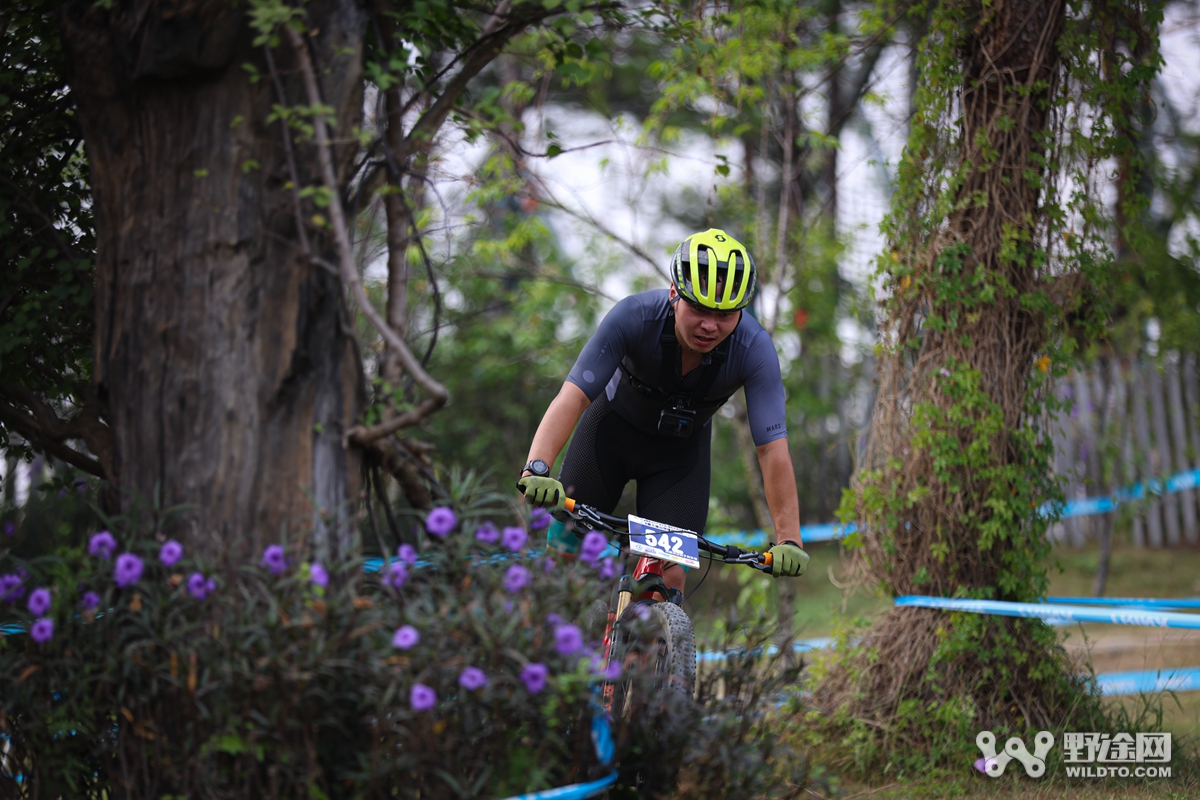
666,542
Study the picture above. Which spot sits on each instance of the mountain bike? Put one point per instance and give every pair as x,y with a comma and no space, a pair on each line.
664,643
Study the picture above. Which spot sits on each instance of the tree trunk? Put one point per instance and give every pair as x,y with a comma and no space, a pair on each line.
958,463
224,355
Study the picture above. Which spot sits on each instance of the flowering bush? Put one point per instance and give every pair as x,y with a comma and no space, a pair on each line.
287,677
464,669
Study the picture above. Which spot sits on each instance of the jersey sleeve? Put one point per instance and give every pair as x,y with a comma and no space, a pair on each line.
765,401
604,351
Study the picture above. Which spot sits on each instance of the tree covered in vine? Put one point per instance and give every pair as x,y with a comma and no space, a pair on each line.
998,264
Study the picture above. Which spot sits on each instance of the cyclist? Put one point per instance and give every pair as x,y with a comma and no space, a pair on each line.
646,387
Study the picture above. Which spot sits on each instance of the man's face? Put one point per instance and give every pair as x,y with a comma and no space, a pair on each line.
701,329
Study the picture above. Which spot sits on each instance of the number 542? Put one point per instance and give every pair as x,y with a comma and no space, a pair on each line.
665,541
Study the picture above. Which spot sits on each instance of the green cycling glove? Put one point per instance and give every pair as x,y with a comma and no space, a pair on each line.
788,560
543,492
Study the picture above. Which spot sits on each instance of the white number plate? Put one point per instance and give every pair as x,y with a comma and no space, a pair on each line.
662,541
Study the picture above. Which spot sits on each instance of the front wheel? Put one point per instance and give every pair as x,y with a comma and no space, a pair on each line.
656,648
657,640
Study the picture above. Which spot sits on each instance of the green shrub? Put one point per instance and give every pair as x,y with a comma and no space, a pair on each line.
216,679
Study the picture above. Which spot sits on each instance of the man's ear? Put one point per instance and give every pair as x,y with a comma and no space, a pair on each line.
672,293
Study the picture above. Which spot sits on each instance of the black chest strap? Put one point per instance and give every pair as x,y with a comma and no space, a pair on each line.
669,380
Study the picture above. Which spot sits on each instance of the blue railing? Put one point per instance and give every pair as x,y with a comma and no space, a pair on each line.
1086,506
1122,616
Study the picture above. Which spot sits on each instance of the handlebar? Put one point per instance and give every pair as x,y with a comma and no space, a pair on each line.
727,554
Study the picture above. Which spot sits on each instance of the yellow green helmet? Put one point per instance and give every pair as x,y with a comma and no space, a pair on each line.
714,270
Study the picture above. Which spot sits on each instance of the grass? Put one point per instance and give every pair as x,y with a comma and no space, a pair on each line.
1021,788
1134,572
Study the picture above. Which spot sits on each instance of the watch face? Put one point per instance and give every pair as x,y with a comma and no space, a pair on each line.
539,467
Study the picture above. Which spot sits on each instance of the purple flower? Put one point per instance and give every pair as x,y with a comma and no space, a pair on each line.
90,601
318,575
540,518
554,619
128,570
643,612
101,545
11,588
42,630
487,533
548,565
406,636
472,678
200,587
274,560
534,677
441,521
516,578
568,640
593,546
39,602
170,553
408,554
80,485
608,673
396,575
422,698
514,538
608,570
9,529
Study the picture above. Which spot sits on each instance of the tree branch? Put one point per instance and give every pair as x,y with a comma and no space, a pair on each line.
550,200
39,424
438,394
291,156
482,53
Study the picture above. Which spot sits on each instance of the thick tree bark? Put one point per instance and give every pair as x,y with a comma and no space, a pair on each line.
223,355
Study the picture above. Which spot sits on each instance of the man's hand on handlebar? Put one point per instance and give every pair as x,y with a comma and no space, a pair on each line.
788,560
543,492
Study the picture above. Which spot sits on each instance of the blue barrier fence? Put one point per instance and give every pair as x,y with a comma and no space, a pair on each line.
578,791
1188,479
1130,611
1125,616
1149,681
605,747
800,646
831,531
1192,603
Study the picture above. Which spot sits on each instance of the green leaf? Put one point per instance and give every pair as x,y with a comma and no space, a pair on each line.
230,743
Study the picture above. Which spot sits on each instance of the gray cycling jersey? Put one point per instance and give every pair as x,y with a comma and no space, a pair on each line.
630,333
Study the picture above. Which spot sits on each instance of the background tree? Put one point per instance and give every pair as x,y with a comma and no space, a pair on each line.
999,258
46,231
226,172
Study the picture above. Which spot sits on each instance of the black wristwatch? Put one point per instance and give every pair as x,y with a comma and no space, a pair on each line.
538,467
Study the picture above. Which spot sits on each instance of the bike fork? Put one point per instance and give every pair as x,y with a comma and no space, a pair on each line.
624,597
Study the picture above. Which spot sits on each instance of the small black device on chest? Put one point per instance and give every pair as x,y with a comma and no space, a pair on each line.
678,419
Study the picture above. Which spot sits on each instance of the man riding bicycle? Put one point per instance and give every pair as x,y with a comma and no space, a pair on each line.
646,387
